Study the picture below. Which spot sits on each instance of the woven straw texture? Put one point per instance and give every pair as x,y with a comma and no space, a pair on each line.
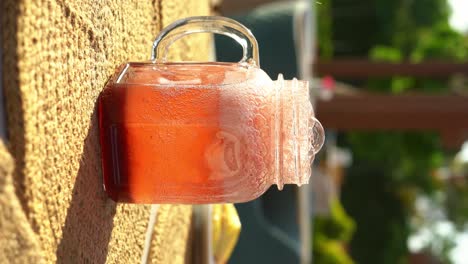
57,56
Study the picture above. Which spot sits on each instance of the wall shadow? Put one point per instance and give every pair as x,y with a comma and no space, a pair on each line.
12,96
89,222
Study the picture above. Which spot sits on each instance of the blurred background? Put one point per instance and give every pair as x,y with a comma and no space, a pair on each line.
389,84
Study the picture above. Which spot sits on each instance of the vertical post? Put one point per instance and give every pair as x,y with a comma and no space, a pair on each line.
149,233
202,242
304,37
3,128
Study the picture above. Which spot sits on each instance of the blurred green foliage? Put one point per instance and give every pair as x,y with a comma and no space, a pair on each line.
391,169
457,194
337,226
457,204
324,28
382,226
330,252
331,233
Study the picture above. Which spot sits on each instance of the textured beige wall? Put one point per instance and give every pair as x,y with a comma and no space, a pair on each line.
57,57
17,240
164,250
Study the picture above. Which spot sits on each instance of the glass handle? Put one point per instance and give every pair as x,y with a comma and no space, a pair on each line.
211,24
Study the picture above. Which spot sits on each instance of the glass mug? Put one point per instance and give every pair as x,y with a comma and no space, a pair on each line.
209,132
